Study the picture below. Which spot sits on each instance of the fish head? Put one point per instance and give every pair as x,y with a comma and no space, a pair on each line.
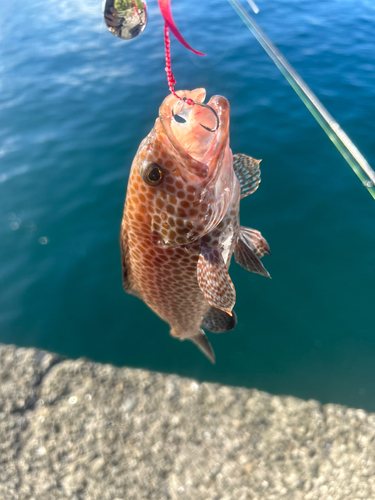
184,170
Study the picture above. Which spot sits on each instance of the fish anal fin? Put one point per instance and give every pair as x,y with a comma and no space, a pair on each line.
218,321
248,173
214,280
247,254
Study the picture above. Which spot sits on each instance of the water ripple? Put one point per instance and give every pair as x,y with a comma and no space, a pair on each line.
75,103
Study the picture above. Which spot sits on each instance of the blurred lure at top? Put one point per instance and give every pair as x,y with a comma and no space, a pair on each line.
125,19
181,226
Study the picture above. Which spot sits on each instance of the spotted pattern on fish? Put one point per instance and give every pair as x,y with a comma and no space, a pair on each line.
154,271
176,212
172,269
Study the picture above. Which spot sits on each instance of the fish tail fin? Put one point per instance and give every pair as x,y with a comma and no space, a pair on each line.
200,340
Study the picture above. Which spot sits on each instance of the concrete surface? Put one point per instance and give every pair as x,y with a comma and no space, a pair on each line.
81,430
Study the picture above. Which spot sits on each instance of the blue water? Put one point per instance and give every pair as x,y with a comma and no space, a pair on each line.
75,102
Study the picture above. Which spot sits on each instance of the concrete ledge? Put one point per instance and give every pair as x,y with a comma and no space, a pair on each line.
81,430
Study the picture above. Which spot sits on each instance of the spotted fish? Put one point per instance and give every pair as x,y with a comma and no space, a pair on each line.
181,226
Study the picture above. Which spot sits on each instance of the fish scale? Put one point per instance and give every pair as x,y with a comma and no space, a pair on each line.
181,226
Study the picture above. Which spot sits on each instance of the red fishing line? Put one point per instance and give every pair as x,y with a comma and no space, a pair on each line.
165,9
168,68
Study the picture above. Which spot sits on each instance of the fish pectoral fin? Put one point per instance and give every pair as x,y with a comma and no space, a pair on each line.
248,173
201,341
218,321
214,280
250,247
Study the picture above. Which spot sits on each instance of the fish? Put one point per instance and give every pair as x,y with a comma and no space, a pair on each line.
180,224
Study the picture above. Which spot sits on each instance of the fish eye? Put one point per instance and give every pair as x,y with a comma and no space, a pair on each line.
153,174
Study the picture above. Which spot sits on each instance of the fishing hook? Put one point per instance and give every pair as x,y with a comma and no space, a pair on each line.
188,101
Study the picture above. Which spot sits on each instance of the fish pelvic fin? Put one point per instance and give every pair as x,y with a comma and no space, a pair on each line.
214,280
201,341
248,173
250,247
218,321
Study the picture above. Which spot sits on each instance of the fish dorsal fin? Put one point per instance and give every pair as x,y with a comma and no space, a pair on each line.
124,249
218,321
126,281
248,173
201,341
249,248
214,280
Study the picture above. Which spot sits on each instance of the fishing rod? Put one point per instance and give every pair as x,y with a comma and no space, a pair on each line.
330,126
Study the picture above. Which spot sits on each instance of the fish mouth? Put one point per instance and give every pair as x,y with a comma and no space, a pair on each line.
193,132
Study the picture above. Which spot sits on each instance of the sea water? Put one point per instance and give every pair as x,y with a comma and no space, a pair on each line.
75,102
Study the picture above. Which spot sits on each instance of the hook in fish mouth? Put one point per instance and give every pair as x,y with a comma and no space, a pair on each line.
185,99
